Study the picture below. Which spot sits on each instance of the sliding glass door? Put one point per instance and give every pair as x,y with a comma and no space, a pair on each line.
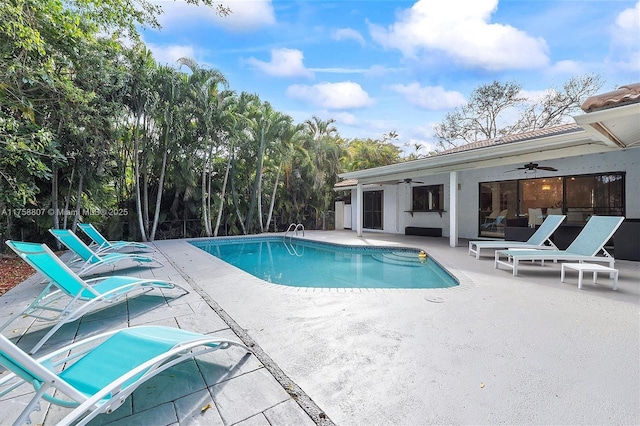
372,210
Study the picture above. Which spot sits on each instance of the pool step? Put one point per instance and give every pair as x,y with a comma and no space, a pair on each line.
405,258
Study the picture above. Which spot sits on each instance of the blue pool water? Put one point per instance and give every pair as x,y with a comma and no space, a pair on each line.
301,263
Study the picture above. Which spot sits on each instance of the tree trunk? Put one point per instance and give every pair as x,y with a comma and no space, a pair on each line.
78,202
222,194
255,196
136,172
234,196
273,198
67,202
156,213
55,220
205,213
145,179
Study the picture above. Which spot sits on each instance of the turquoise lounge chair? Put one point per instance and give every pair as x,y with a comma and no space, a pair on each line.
91,258
98,379
101,244
585,248
68,297
536,241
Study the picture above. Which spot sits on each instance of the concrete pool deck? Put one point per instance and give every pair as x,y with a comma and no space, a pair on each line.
497,349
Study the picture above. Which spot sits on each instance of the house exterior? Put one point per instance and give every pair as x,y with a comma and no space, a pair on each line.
503,188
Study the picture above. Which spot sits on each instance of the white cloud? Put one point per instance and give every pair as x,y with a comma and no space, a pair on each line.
247,15
570,67
345,118
626,32
462,30
340,96
348,34
168,55
627,26
429,97
284,63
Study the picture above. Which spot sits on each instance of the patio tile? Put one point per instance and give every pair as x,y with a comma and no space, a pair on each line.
163,415
146,311
257,420
61,337
14,403
247,395
221,365
203,319
198,409
288,413
227,363
91,328
176,382
108,312
56,414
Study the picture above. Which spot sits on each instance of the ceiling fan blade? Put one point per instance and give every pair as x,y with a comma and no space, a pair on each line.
550,169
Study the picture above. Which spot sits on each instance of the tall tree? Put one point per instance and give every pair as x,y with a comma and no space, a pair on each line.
499,109
266,127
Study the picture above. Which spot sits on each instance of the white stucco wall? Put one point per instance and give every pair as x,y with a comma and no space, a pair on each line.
397,198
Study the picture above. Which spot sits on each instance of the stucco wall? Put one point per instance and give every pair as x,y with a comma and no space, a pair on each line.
397,198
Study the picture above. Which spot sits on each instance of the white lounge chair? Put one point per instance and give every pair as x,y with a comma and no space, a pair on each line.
91,258
494,219
98,379
101,244
585,248
536,241
68,297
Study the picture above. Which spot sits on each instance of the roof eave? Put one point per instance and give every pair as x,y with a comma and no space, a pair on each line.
601,125
550,147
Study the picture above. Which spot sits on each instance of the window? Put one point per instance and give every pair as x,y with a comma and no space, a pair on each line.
528,201
428,198
601,195
498,203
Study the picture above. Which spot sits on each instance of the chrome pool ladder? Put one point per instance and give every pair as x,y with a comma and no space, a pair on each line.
293,229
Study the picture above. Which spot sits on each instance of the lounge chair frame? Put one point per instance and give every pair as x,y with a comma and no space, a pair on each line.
585,248
70,370
101,244
90,258
67,297
538,240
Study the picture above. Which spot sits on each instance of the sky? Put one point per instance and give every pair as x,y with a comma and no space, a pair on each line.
399,66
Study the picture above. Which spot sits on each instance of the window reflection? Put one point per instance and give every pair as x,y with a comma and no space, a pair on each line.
526,202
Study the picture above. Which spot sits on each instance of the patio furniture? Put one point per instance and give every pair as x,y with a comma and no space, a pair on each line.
91,258
585,248
494,219
535,217
68,297
101,244
536,241
98,379
589,267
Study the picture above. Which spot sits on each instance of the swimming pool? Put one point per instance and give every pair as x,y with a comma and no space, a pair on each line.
301,263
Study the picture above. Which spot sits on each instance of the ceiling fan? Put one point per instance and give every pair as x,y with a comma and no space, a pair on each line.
409,180
534,166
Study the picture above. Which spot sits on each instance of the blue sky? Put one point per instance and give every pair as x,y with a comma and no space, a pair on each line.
381,66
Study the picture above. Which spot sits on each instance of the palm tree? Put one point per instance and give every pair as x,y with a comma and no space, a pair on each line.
267,126
208,91
139,100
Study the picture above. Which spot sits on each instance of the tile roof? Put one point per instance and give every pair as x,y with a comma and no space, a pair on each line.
346,182
627,94
533,134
